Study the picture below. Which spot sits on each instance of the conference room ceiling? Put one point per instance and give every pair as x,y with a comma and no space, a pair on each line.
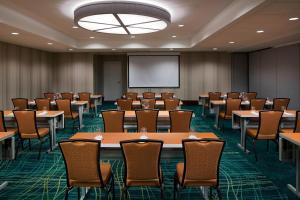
208,24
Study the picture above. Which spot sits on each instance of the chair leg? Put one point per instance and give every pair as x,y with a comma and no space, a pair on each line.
219,192
267,145
113,186
245,147
18,146
254,148
22,144
124,194
162,192
78,193
210,193
40,149
174,188
178,191
67,193
29,143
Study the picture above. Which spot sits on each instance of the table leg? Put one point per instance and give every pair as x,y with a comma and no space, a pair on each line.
217,112
13,149
83,192
3,185
204,190
203,106
80,112
52,128
296,190
243,125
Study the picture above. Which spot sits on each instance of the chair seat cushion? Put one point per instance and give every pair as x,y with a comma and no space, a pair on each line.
42,132
73,116
287,130
153,182
105,172
192,182
223,116
251,132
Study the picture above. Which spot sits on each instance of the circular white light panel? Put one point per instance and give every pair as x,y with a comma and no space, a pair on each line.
122,18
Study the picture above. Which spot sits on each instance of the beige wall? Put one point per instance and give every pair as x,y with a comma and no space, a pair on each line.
201,72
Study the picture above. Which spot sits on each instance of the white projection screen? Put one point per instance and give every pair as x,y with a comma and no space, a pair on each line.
153,71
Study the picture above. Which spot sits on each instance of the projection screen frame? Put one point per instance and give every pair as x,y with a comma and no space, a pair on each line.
178,56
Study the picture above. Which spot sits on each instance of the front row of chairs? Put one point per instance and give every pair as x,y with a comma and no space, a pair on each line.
180,120
142,165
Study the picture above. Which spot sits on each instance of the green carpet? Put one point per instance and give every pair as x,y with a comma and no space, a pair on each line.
241,177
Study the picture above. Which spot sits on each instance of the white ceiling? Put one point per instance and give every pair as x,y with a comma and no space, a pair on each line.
207,24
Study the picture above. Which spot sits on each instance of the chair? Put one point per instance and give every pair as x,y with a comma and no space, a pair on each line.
250,95
124,104
212,96
142,164
268,128
147,119
113,120
65,105
296,129
280,103
27,128
67,95
201,165
257,104
131,95
86,96
42,104
167,95
3,127
233,95
148,103
20,103
84,168
149,95
180,120
50,95
231,105
171,104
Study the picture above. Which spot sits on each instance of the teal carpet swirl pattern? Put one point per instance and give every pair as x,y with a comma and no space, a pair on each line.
240,176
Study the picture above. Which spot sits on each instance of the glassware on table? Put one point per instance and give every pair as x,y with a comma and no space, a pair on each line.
45,108
143,130
283,108
253,108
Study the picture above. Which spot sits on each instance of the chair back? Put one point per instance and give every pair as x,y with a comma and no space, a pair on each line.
167,95
20,103
149,95
257,104
148,103
42,104
269,122
297,124
50,95
131,95
26,121
214,96
250,95
180,120
81,158
84,96
64,105
67,95
124,104
113,120
280,103
171,104
201,160
233,95
147,119
142,160
2,123
231,105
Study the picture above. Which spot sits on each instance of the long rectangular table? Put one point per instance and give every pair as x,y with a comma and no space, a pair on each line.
203,99
97,100
294,138
216,104
172,147
54,119
241,118
76,105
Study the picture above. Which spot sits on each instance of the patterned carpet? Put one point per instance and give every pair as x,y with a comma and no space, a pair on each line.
241,177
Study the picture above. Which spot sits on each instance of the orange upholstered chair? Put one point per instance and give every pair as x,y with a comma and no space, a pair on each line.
147,119
20,103
42,104
180,120
167,95
67,95
280,103
171,104
124,104
84,168
131,95
233,95
201,165
296,128
149,95
148,103
113,120
231,105
65,105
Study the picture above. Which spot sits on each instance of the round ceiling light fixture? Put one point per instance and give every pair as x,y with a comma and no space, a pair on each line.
122,18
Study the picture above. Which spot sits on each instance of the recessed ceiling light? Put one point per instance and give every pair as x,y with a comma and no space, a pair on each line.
122,18
231,42
49,43
15,33
260,31
174,36
180,25
171,49
75,27
293,18
92,37
113,49
133,36
215,49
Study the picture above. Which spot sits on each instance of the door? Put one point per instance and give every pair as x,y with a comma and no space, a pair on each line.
112,80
